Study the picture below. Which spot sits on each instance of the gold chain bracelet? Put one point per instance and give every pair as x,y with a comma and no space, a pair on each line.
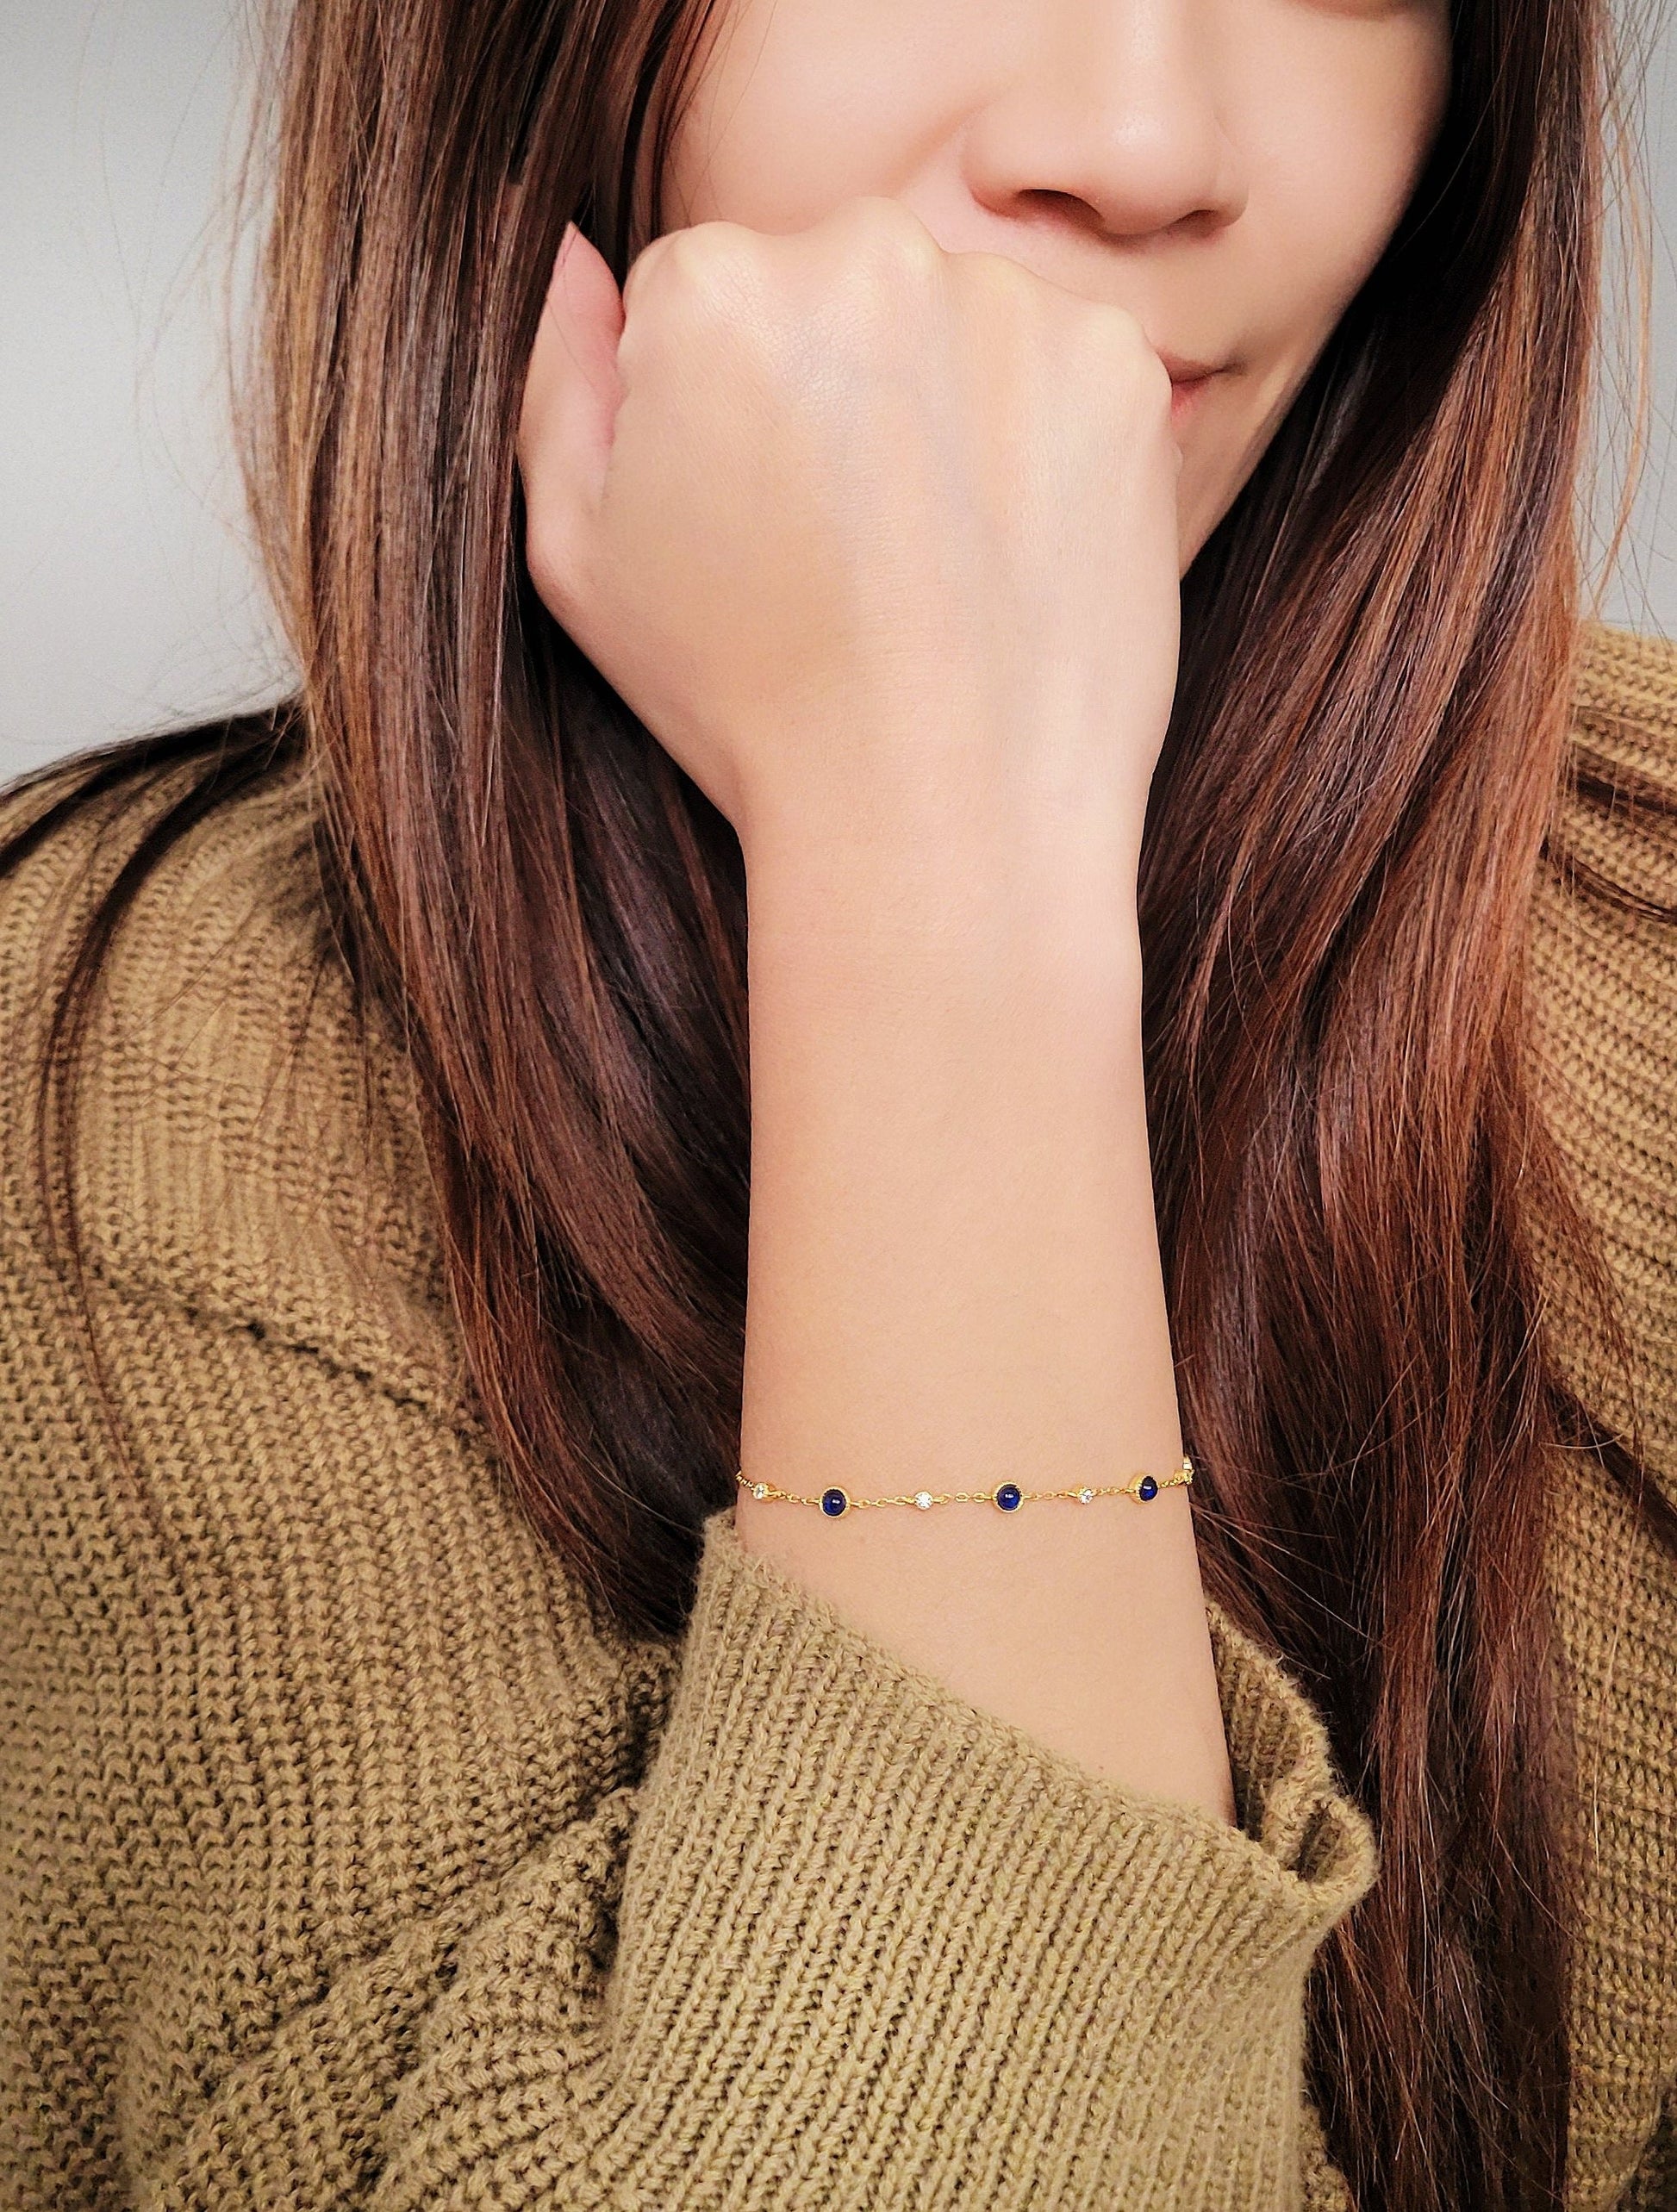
1006,1496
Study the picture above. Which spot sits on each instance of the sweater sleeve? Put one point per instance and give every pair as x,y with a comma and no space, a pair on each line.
342,1864
349,1855
875,1949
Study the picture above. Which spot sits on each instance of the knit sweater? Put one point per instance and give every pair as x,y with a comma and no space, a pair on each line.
349,1857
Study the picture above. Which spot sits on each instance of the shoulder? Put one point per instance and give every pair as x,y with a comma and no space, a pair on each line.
288,1687
1612,853
1622,804
246,1146
1605,919
1604,945
1604,955
1625,689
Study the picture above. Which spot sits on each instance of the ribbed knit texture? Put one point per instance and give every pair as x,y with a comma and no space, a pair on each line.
1607,1018
346,1857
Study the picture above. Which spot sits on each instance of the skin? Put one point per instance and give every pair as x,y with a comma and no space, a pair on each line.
1228,171
871,496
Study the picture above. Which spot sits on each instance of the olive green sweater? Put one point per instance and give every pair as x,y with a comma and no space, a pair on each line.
346,1859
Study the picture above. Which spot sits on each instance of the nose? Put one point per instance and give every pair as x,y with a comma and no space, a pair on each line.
1110,118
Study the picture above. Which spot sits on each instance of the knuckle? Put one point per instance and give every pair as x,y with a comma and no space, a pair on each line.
644,272
1004,281
684,271
1123,350
891,236
707,253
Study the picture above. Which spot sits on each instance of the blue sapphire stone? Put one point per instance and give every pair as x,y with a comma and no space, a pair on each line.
1009,1497
834,1502
1146,1488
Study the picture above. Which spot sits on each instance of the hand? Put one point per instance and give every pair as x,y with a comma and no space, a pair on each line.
869,535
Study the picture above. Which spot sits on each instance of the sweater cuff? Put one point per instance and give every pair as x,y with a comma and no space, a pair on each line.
863,1912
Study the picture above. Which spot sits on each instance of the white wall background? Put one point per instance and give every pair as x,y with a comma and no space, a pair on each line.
127,595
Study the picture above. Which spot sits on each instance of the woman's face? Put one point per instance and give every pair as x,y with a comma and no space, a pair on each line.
1228,170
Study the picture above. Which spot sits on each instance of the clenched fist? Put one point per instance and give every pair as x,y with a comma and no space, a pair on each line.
869,534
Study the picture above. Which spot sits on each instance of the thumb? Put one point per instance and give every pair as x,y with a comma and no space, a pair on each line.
571,392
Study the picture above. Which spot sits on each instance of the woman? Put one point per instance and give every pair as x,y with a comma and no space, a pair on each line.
1069,520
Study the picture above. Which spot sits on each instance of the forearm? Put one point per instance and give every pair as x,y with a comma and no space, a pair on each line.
954,1279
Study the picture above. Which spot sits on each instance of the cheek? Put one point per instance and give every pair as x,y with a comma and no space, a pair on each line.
1342,117
798,104
1339,113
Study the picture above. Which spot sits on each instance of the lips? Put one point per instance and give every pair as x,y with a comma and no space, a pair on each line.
1188,378
1185,370
1185,393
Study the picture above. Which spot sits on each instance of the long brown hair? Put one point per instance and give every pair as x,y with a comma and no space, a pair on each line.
1365,756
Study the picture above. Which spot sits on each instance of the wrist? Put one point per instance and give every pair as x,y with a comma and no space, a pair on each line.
1019,906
